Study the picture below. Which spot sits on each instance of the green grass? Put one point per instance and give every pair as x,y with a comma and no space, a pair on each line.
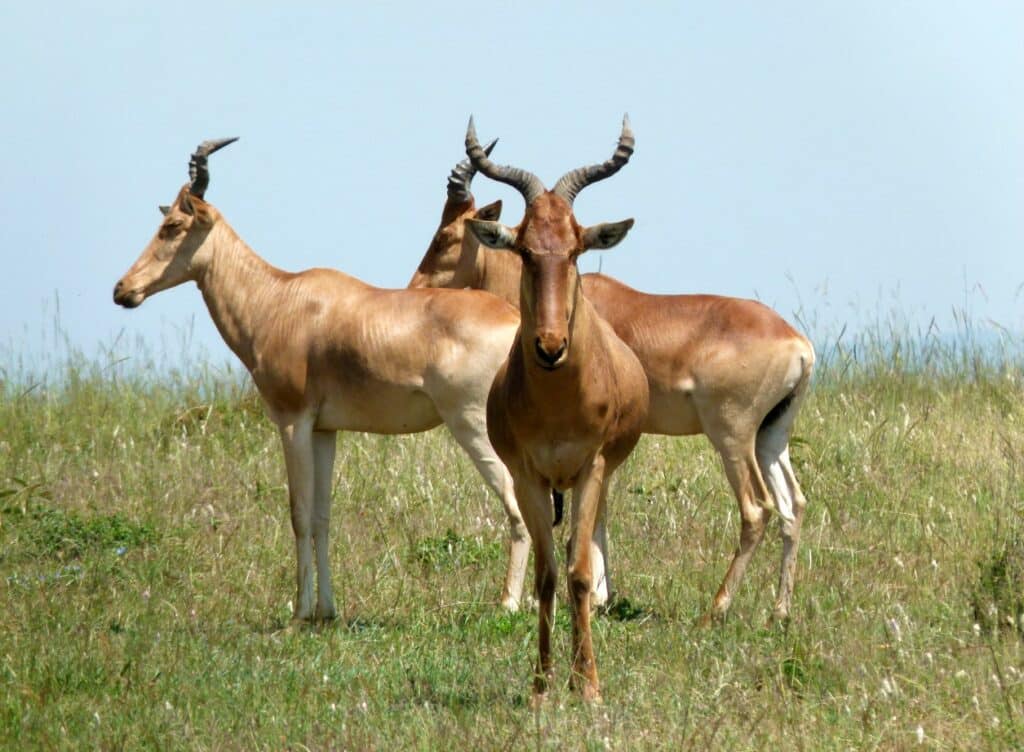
147,567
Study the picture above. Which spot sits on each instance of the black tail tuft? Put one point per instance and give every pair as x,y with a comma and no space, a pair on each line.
559,501
776,412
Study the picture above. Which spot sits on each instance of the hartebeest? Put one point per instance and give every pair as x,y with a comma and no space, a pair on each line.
329,353
567,406
452,242
730,368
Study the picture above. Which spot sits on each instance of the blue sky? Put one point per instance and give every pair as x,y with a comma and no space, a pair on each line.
840,160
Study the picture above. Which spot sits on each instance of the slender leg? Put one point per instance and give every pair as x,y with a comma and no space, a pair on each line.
586,502
752,495
773,458
791,528
469,428
297,440
324,445
602,591
790,541
535,502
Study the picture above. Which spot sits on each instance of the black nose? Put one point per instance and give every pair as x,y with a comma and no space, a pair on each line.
548,358
123,297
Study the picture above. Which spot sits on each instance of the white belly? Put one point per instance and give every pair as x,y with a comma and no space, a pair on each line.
388,410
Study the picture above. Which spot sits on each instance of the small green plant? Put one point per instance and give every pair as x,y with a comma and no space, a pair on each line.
623,609
47,531
451,551
997,600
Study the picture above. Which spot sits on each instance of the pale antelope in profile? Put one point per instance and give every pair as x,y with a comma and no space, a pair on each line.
568,405
329,353
729,368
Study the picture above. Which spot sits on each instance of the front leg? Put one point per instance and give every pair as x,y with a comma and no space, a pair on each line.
325,444
586,503
297,441
534,497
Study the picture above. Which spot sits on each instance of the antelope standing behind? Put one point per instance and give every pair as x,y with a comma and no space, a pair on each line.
729,368
567,406
329,353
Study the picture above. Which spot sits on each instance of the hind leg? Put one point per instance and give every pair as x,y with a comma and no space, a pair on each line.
469,428
790,540
744,476
601,592
773,457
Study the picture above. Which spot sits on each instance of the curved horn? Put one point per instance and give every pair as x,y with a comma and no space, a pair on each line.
199,176
462,175
525,182
574,181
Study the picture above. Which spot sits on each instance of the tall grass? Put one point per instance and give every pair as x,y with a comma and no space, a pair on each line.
147,568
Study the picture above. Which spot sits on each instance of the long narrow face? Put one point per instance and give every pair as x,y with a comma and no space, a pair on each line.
549,241
169,258
450,261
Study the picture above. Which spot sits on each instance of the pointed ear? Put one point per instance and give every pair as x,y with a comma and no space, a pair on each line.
164,209
490,213
605,235
492,234
185,203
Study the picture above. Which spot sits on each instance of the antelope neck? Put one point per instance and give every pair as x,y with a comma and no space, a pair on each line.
239,289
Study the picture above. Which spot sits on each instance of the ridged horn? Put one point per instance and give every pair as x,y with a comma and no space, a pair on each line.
525,182
462,175
574,181
199,176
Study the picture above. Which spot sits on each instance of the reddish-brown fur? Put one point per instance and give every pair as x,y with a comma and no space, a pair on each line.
715,365
564,412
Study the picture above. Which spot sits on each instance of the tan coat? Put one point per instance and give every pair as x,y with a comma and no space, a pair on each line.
329,353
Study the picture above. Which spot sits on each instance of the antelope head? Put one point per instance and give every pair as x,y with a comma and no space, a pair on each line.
450,261
179,247
549,240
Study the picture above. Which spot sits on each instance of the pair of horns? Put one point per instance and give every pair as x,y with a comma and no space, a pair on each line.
198,175
462,175
568,186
